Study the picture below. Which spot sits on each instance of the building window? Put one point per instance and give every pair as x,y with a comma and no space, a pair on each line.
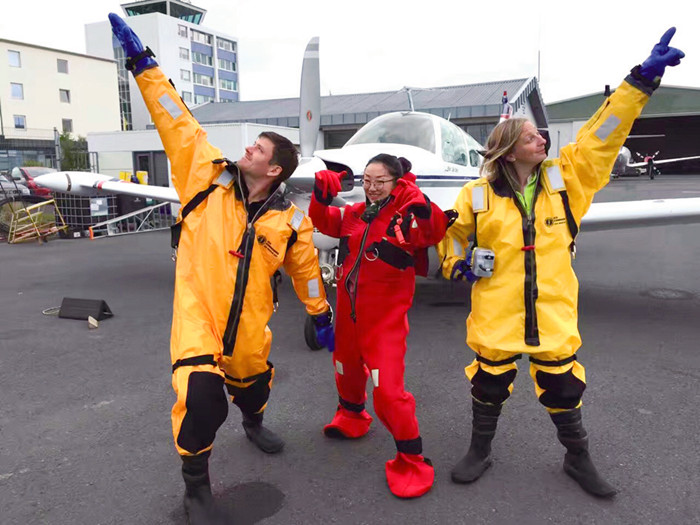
185,74
14,58
200,37
67,125
203,80
184,53
20,122
230,85
226,45
124,92
182,30
16,91
64,95
187,97
201,99
62,65
227,65
201,58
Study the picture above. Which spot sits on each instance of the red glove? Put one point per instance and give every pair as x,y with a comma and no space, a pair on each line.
327,185
408,195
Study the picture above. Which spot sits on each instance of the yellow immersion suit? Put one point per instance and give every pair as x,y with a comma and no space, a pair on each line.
223,295
530,304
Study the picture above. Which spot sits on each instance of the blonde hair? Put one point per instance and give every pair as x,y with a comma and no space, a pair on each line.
499,145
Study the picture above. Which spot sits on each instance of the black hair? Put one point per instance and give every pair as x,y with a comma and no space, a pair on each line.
396,166
284,154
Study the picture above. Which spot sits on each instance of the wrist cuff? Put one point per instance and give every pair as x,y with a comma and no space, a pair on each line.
641,82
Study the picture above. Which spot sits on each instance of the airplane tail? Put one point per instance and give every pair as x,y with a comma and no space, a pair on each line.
310,100
506,108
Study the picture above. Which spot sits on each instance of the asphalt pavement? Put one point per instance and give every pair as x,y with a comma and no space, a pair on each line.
85,434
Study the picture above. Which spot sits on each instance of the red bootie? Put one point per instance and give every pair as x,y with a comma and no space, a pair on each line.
409,475
348,425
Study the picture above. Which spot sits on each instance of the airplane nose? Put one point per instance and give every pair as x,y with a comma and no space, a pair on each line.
54,181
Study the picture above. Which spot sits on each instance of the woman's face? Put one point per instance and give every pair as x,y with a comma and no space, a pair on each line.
377,182
529,148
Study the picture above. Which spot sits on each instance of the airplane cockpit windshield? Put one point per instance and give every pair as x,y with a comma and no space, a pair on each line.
405,128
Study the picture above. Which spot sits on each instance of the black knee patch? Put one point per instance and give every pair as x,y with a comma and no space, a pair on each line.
490,388
560,390
252,398
207,409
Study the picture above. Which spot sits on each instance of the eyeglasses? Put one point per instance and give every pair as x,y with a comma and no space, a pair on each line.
379,184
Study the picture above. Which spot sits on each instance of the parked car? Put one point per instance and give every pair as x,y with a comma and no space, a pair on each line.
9,189
26,174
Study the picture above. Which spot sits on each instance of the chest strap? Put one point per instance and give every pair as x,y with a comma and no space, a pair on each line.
176,229
390,254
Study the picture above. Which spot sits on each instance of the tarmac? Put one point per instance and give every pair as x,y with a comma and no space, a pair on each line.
85,434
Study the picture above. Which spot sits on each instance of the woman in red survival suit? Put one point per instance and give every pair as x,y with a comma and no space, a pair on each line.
383,245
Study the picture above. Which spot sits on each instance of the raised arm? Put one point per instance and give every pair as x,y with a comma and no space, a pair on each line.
587,163
423,223
325,217
184,140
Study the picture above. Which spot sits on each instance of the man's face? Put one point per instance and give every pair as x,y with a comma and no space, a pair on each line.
256,160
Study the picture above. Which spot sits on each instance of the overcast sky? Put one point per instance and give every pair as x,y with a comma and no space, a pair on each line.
375,45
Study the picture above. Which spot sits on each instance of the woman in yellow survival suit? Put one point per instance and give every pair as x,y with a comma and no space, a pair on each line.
524,216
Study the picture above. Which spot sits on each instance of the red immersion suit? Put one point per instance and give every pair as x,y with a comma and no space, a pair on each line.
376,282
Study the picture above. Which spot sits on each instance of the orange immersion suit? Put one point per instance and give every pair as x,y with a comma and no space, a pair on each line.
227,255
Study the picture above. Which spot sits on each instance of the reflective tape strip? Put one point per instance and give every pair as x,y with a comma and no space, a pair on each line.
478,199
296,219
457,247
607,127
170,106
555,179
314,289
225,178
339,367
375,377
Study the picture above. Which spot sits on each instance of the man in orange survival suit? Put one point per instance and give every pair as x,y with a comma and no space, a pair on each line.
237,229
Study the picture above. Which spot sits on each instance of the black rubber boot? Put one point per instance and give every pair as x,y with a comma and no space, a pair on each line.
577,461
478,458
264,438
199,502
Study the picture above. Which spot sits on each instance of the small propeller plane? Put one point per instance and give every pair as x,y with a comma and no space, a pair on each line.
444,158
625,167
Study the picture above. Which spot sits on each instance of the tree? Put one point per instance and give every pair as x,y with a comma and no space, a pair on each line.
74,153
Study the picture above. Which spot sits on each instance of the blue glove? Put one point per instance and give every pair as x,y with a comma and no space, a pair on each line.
138,58
661,56
463,270
323,324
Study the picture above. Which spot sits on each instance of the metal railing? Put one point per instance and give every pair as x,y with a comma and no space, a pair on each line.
152,218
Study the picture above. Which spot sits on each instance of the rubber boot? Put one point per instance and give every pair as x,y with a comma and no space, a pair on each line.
409,475
264,438
199,502
478,457
347,424
577,461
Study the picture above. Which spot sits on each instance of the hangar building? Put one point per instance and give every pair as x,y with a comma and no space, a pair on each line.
669,124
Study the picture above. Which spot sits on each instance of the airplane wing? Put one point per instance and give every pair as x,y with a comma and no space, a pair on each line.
664,161
90,184
638,214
